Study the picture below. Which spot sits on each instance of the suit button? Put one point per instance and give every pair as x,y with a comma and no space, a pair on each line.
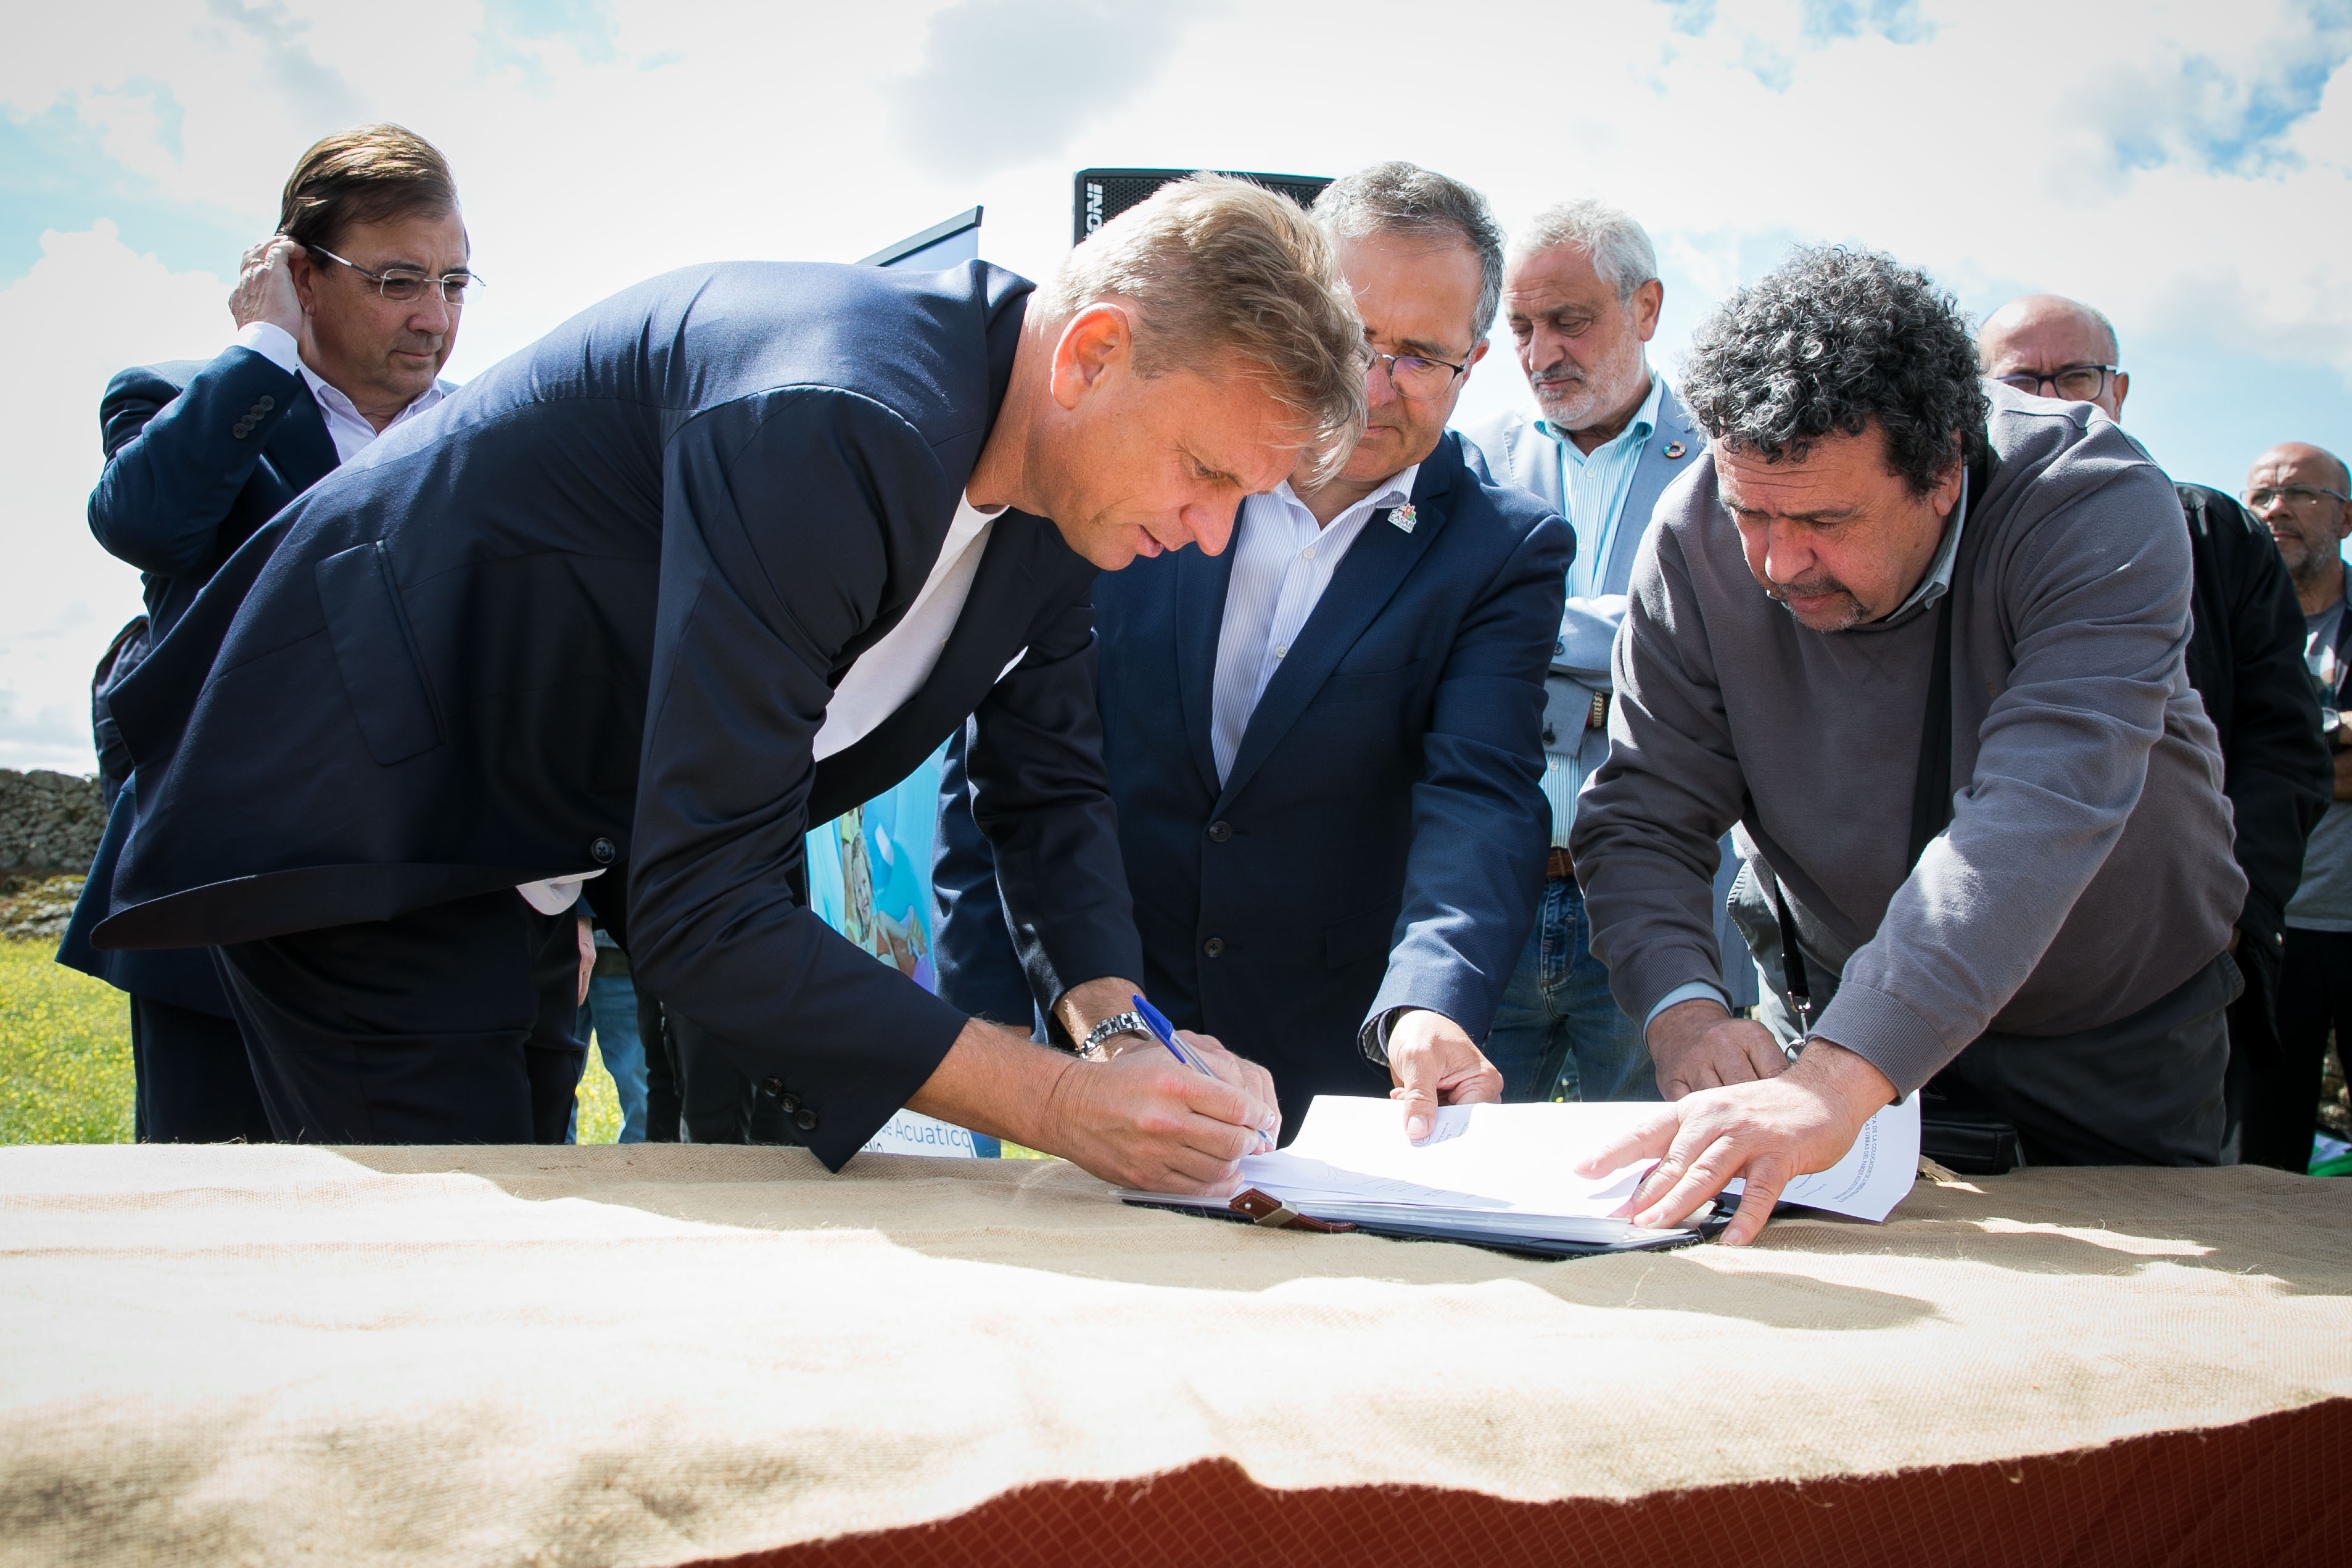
805,1121
265,405
788,1102
772,1087
601,852
1215,946
241,429
1219,831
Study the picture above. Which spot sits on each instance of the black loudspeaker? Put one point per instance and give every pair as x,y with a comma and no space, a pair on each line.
1099,195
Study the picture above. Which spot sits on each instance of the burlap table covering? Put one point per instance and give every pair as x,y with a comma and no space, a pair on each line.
659,1353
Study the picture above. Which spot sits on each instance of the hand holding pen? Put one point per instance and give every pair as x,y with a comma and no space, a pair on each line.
1165,1033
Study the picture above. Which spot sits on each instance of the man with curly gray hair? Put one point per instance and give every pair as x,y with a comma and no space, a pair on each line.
1924,645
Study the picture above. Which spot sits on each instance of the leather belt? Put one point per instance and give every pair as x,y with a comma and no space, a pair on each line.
1560,865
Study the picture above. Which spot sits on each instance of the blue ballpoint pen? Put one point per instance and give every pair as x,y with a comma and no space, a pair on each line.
1165,1033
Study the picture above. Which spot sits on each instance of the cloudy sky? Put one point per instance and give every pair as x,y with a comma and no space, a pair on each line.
2190,170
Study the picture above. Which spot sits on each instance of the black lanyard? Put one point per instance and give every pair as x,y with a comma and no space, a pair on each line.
1931,808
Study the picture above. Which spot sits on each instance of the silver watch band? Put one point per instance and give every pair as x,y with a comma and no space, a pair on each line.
1128,1023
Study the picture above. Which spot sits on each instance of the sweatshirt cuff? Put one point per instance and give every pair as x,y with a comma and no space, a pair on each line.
1692,991
1886,1034
272,342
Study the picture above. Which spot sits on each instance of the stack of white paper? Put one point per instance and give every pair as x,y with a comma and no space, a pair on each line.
1508,1170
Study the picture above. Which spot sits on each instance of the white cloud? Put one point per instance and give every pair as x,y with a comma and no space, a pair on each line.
2164,166
89,308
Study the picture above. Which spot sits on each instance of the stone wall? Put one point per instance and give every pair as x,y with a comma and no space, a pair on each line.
49,821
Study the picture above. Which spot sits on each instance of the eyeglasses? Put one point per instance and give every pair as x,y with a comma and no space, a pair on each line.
2294,495
402,284
1417,376
2075,383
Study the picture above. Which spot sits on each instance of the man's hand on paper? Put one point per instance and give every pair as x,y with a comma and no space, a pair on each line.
1140,1119
1145,1119
1769,1132
1089,1002
1434,1063
1698,1044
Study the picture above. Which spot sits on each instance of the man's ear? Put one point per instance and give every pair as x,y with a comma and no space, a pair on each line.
2123,386
304,271
1093,343
1947,493
1476,354
1648,300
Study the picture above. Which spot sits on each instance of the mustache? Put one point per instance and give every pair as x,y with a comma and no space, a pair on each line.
1566,370
1812,587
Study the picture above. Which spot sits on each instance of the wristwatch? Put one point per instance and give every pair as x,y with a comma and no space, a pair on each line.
1128,1023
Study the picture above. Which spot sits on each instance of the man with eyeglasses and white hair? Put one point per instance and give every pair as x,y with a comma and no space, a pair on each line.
2245,659
2304,496
345,316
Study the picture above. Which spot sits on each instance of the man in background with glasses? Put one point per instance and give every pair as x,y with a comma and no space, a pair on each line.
2245,659
2300,493
334,346
1322,743
1583,296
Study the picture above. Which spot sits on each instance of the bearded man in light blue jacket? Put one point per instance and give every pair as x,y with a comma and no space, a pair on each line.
1581,294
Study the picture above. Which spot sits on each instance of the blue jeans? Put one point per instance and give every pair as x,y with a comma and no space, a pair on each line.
1558,1033
611,1011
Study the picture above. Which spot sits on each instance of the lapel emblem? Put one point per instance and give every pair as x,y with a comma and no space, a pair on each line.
1675,448
1405,517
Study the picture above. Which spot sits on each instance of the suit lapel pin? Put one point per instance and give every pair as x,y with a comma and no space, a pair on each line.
1405,517
1675,448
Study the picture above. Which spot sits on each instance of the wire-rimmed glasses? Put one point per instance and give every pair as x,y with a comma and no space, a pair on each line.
403,285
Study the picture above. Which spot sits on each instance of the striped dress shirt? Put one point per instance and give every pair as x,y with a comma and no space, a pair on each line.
1595,485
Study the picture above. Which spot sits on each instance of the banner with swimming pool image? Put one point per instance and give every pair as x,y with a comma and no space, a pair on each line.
869,874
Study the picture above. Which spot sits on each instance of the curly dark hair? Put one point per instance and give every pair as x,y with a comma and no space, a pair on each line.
1828,342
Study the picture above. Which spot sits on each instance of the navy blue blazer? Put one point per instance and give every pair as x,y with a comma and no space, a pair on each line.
1380,841
199,455
588,613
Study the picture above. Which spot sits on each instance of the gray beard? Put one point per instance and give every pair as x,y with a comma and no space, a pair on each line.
1592,401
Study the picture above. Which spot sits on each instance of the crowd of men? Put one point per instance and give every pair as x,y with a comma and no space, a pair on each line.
1867,715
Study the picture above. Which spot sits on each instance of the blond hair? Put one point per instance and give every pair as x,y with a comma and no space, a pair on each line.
1213,266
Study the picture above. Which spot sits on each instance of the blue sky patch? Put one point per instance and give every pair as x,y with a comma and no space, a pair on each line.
54,173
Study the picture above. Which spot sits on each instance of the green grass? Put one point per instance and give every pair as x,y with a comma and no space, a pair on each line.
64,1056
65,1041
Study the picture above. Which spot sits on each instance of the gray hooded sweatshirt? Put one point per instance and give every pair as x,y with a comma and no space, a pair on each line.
2087,872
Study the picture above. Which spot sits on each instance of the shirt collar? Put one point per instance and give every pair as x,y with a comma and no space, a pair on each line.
330,397
1938,581
1637,429
1394,490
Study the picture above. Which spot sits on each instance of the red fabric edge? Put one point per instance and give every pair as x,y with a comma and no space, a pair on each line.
2262,1493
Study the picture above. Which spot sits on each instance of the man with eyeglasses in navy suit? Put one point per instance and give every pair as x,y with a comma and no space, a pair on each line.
2245,659
345,316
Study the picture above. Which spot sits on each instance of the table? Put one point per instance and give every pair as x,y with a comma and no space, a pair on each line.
661,1355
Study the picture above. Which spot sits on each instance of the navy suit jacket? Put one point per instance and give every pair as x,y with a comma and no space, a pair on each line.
588,615
199,455
1380,842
